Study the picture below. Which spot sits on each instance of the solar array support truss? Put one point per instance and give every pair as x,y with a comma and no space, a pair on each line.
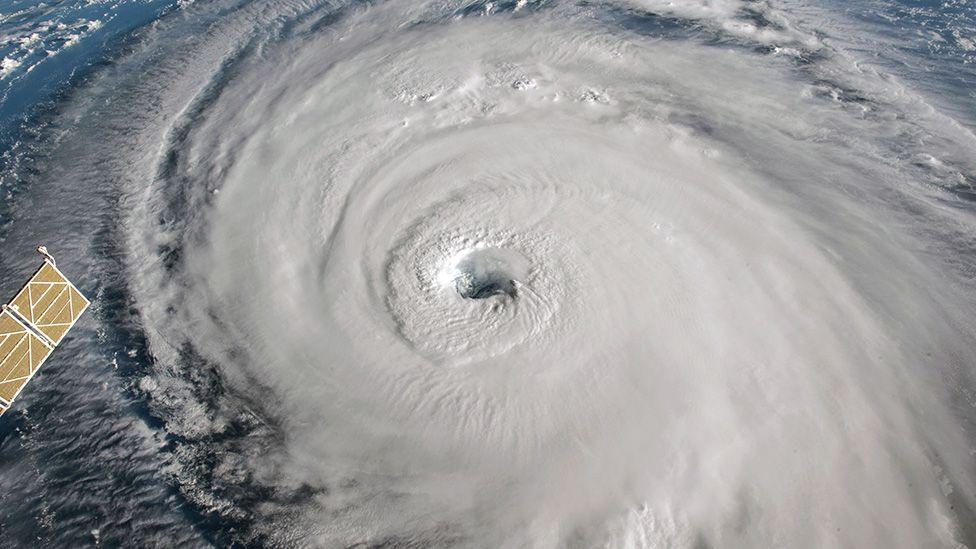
33,324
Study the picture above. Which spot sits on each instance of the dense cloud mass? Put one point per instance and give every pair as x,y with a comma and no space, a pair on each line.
533,274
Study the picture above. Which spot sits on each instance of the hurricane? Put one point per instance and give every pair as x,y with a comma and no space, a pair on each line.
499,274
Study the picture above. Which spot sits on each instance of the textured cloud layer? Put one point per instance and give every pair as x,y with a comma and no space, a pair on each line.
713,312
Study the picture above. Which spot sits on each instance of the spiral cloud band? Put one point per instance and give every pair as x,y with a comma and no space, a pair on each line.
640,274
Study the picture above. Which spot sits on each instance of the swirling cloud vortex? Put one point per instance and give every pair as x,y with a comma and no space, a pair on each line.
533,279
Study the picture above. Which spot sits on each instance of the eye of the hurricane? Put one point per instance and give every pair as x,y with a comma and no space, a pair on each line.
484,285
486,272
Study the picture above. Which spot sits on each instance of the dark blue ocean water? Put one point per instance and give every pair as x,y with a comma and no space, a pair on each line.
47,47
930,44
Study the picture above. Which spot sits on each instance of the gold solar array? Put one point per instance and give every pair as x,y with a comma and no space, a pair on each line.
33,324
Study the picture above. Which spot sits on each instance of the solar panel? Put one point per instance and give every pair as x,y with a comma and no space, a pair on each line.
33,324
